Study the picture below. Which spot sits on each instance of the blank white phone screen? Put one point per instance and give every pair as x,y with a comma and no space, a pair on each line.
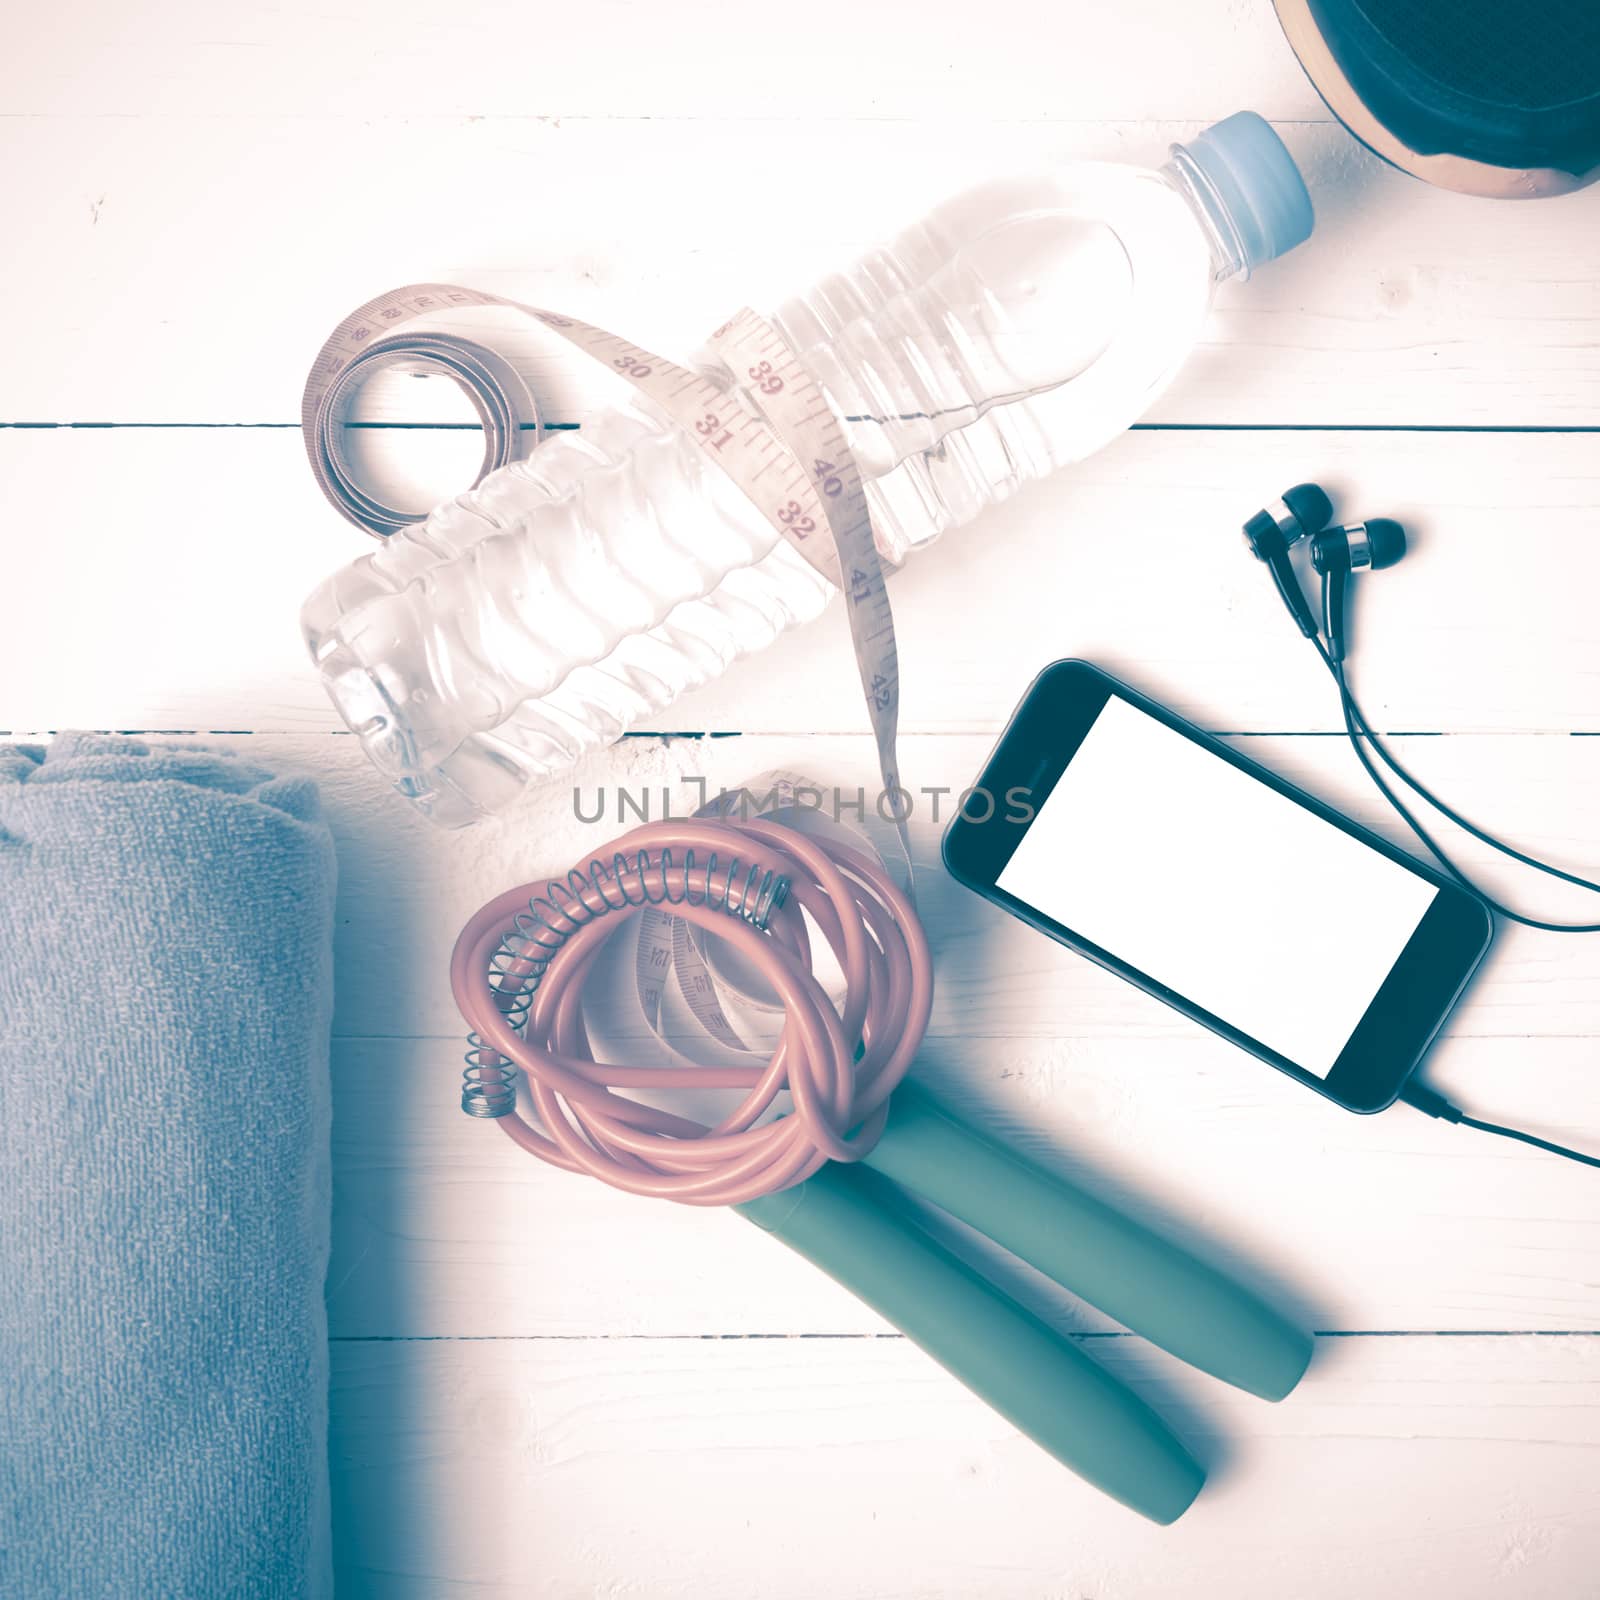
1217,887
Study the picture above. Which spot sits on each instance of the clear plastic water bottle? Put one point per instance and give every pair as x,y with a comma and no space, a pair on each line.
1021,326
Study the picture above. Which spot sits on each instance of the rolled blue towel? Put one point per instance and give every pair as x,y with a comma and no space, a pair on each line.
165,993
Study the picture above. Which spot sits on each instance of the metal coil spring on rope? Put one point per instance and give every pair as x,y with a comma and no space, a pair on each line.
629,883
518,971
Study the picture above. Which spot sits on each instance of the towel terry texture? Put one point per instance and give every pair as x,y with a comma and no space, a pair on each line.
165,992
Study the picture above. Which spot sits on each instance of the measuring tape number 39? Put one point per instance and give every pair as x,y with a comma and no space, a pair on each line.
789,457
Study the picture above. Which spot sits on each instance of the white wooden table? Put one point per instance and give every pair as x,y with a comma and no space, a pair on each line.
542,1388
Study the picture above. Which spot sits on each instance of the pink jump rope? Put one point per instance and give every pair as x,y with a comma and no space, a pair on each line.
888,995
518,972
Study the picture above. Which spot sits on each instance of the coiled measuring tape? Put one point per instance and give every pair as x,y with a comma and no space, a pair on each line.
789,457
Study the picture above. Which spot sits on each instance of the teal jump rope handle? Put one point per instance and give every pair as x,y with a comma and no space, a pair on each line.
854,1228
1135,1276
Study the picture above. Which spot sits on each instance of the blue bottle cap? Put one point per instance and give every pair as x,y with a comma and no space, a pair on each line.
1257,183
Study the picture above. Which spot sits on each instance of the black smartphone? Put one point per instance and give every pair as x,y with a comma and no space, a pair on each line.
1114,826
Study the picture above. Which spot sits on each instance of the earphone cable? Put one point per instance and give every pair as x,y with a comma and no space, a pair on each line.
1417,786
1433,1104
1530,1138
1414,1094
1358,727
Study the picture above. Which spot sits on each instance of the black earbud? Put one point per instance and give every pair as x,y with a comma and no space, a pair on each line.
1302,513
1336,553
1305,512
